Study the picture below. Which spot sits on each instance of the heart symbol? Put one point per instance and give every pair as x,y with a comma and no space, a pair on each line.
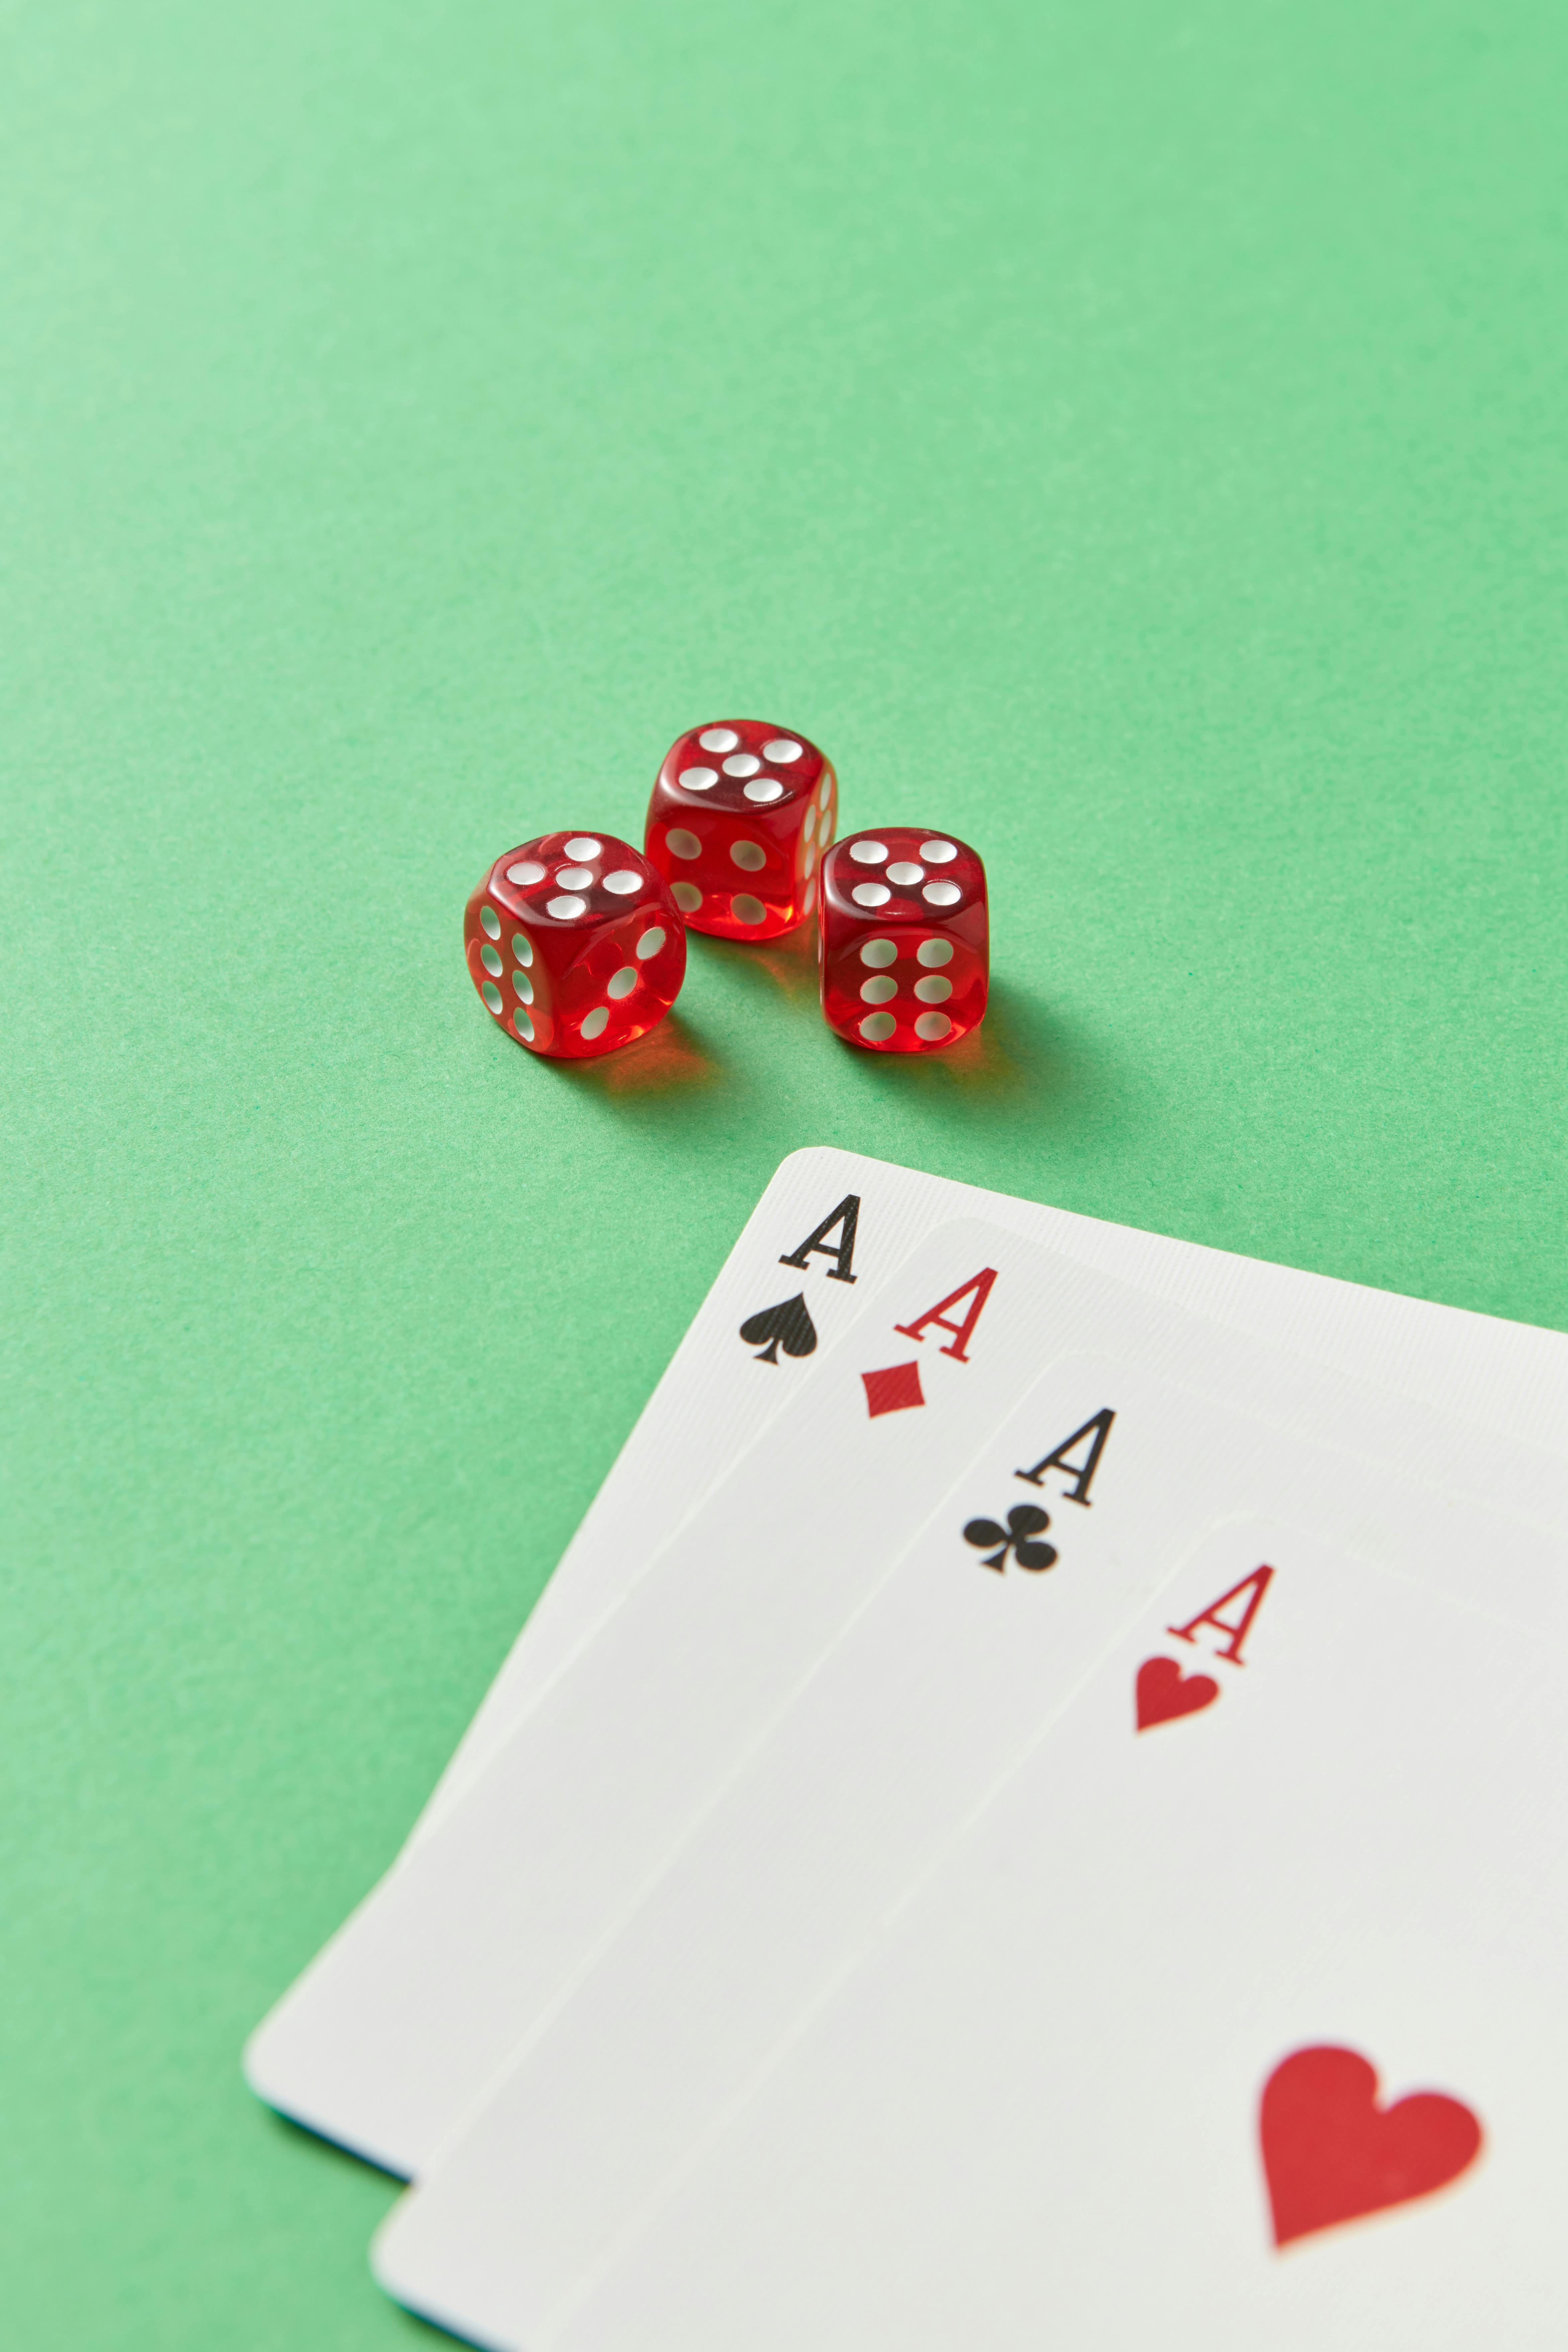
1331,2153
1164,1692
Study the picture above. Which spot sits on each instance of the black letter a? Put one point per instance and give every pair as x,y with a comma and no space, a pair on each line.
1096,1431
848,1216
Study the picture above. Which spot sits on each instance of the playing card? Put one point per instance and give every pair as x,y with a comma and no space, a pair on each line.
833,1224
1069,1515
1233,2019
407,2014
535,1866
829,1226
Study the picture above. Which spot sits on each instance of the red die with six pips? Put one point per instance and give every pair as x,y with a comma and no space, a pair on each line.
740,817
574,944
904,940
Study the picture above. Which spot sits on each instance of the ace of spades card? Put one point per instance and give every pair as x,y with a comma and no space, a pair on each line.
816,1227
1233,2019
370,2047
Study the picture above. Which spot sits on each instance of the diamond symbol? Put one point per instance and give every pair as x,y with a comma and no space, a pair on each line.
893,1391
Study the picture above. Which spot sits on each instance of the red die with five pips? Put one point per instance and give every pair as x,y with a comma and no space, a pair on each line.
904,940
741,814
574,944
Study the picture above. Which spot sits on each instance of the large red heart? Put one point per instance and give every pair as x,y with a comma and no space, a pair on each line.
1163,1690
1332,2153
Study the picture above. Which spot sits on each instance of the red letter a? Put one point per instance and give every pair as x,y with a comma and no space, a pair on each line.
980,1286
1257,1584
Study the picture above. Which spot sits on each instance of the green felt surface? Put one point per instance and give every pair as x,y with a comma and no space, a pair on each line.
1128,435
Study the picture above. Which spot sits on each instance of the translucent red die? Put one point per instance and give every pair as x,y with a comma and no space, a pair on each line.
904,940
575,945
738,820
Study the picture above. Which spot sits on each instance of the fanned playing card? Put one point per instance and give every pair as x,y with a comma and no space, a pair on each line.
481,1934
1233,2019
830,1224
1094,1487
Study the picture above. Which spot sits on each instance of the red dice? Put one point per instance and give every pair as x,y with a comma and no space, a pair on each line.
574,944
739,821
904,940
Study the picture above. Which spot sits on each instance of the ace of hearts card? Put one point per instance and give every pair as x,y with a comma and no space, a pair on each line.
954,1668
1233,2019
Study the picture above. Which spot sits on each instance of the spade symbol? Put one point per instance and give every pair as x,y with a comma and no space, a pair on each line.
787,1326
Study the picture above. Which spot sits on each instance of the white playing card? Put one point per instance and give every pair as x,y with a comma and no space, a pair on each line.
709,1406
1241,2029
407,2014
829,1226
947,1675
374,2046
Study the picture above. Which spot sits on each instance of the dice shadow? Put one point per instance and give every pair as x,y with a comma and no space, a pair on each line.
1018,1058
785,967
672,1059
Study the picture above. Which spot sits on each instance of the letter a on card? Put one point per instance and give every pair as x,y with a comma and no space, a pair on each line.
843,1219
1256,1586
977,1290
1093,1434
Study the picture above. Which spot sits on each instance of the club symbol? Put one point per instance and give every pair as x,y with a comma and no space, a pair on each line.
1025,1520
788,1325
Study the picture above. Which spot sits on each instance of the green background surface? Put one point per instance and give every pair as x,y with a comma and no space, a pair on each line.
1128,435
